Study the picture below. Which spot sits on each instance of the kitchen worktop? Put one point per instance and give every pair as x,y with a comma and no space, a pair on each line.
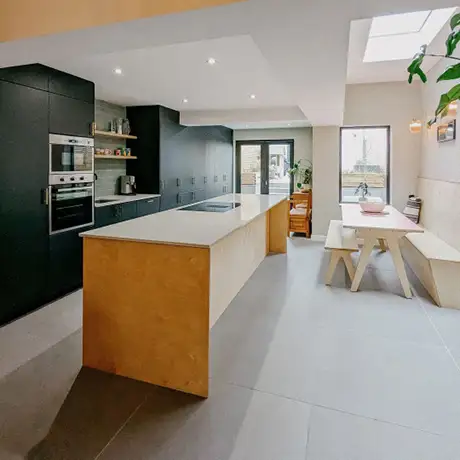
189,228
119,199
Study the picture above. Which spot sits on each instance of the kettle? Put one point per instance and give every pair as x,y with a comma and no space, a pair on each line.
127,185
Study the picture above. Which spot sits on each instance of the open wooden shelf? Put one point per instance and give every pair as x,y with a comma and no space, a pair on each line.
116,157
114,135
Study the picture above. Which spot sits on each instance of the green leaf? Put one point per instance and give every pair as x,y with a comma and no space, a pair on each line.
451,42
451,73
444,101
432,122
414,67
455,21
452,95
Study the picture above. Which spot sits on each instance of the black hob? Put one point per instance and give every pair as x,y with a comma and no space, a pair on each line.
212,206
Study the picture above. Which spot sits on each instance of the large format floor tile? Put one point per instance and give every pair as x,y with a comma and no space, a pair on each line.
50,409
299,371
233,424
336,435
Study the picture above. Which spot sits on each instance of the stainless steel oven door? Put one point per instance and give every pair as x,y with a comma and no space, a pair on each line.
70,155
71,203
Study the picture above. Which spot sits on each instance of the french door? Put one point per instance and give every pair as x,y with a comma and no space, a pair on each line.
262,167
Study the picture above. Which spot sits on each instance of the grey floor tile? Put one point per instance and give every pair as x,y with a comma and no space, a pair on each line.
368,312
50,409
446,321
339,436
396,381
35,333
233,424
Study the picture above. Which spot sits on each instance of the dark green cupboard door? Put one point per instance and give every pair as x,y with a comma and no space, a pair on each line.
23,215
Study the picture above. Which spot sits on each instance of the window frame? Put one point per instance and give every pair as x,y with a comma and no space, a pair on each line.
388,181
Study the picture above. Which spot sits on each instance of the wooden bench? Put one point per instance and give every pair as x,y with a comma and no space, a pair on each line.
341,242
436,264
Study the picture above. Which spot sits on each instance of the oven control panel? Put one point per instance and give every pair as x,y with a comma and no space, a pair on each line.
58,179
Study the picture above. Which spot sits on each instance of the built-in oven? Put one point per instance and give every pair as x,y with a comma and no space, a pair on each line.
71,202
70,155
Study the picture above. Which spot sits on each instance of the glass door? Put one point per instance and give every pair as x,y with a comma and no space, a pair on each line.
262,167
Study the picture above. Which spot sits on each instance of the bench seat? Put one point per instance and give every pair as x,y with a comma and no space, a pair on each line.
436,264
341,242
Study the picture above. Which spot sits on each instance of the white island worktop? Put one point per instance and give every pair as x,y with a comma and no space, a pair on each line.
190,228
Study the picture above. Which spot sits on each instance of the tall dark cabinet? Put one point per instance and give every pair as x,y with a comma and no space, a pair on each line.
183,164
35,267
23,215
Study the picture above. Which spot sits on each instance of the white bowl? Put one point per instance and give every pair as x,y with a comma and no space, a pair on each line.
372,206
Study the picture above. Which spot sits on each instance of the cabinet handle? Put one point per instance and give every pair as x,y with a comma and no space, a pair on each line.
193,195
225,177
178,181
193,181
150,201
216,179
45,196
179,199
205,179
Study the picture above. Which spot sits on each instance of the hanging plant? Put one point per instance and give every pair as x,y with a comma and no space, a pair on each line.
451,73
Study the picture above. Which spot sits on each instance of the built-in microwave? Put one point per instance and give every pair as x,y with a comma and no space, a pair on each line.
70,155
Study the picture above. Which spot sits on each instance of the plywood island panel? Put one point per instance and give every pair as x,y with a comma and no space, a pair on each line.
148,306
146,312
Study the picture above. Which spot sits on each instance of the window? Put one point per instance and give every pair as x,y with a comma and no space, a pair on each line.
400,36
364,157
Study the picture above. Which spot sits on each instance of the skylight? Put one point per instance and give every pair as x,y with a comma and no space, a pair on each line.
400,36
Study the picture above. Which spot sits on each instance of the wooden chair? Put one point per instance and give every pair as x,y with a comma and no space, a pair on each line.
300,214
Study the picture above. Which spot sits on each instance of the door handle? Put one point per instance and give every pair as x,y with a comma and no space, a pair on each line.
45,196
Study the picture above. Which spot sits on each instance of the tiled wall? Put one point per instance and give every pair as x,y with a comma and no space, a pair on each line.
108,171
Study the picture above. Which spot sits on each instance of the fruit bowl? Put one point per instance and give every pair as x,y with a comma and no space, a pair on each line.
372,206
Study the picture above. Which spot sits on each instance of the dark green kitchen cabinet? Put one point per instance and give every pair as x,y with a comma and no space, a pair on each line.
182,163
65,262
23,212
147,207
70,116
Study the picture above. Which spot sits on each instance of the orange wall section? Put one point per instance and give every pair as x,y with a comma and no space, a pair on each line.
31,18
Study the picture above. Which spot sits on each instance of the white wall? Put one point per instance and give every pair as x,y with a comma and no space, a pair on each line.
302,137
325,178
439,181
394,104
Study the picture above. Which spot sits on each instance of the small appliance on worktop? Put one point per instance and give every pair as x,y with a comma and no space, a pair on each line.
127,185
212,206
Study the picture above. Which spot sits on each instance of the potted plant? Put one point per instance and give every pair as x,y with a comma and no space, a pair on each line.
302,175
451,73
363,189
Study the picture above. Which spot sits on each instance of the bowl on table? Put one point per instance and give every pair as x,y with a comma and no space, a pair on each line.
374,206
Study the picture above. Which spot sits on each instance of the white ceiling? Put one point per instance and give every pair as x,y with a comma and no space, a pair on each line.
290,53
167,74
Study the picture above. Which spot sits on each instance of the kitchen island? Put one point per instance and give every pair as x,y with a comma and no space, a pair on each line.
154,286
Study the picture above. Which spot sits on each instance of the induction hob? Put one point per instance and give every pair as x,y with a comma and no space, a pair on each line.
212,206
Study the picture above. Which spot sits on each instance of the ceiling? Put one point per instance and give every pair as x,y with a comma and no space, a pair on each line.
292,54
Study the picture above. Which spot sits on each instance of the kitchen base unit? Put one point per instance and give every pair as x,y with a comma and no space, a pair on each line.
154,286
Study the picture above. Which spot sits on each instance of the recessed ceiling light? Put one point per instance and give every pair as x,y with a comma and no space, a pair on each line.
117,71
185,101
211,61
289,124
252,96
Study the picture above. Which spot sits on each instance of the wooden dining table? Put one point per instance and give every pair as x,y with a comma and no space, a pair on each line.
386,227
